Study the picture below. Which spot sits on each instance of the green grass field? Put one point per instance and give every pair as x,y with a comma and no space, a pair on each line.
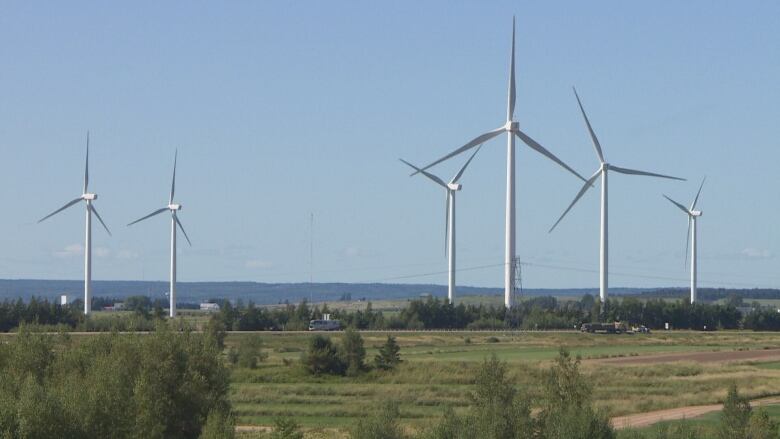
438,369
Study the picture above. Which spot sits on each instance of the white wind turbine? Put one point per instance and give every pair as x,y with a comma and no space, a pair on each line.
173,208
512,129
603,170
88,198
693,215
451,189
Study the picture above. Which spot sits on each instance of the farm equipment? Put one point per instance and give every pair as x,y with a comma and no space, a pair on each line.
606,328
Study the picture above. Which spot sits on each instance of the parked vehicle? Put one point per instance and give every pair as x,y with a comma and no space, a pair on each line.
324,325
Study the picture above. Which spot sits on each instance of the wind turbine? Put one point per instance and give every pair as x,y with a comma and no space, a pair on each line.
693,215
173,208
88,198
451,189
512,129
603,171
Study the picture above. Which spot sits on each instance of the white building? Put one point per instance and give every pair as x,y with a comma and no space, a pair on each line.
209,307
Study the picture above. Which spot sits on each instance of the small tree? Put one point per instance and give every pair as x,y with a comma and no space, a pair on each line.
735,416
250,352
761,426
219,425
389,355
322,356
285,428
567,411
383,425
353,352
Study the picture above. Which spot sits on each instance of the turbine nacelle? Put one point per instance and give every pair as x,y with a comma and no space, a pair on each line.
174,207
89,197
512,126
454,186
695,213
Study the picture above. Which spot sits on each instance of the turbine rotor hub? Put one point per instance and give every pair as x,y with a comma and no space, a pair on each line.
89,197
174,207
512,126
454,186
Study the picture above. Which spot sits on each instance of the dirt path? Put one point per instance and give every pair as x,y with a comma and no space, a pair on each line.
640,420
699,357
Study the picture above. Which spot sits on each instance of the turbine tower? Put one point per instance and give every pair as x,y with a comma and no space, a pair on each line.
173,208
88,198
512,129
451,189
604,168
693,215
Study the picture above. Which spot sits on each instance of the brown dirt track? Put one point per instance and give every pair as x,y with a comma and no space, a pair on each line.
699,357
640,420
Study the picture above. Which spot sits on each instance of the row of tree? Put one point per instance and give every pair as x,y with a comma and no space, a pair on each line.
168,384
534,313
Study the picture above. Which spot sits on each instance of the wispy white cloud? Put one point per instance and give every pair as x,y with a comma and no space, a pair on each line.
258,264
77,250
756,253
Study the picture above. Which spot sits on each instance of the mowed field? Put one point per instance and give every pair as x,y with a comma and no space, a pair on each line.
438,369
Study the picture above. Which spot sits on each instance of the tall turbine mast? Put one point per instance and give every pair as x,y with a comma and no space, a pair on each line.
603,172
451,189
693,216
512,129
88,198
173,208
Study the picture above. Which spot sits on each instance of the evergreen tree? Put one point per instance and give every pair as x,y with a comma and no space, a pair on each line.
354,354
389,355
735,416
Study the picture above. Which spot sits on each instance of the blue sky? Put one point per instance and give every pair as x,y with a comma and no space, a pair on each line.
280,109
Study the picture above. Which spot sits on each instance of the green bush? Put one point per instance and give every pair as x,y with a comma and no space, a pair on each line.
286,429
382,425
353,353
322,357
389,355
162,385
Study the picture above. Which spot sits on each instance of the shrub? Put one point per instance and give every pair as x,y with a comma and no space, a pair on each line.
382,425
735,416
389,355
353,352
322,356
285,428
567,410
250,352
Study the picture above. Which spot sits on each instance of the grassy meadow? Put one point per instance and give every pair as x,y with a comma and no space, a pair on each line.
438,369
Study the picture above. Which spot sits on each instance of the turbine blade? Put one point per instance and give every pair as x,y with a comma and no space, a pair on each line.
510,110
447,224
533,144
683,208
92,208
688,240
70,203
696,200
173,181
582,191
474,142
175,217
156,212
593,137
648,174
86,167
435,179
460,173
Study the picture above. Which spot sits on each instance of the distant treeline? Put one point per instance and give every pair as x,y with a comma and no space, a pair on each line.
535,313
713,294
